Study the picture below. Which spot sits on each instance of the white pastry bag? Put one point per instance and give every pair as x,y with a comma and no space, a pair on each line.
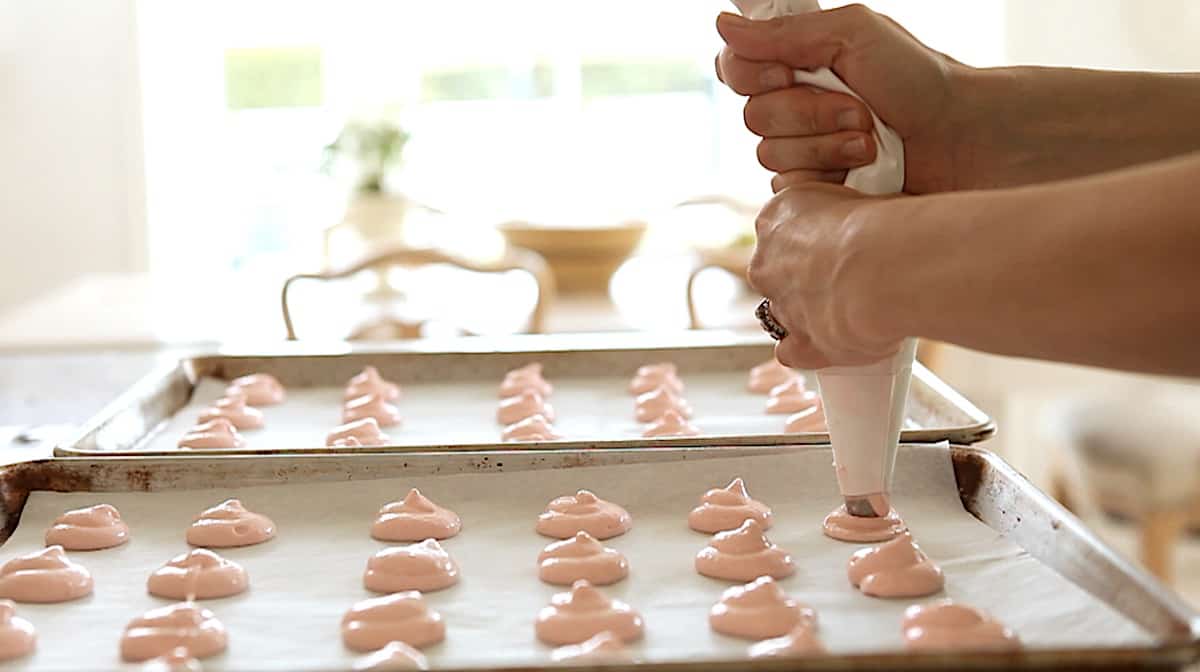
864,405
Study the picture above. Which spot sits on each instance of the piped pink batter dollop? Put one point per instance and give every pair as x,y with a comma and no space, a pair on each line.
581,557
415,518
394,657
425,567
399,617
88,529
533,428
604,647
260,389
671,424
652,405
229,524
524,405
160,631
768,375
584,612
44,576
371,406
801,641
653,376
366,432
175,660
370,382
199,574
583,512
216,433
840,525
727,508
17,636
758,610
808,420
233,408
897,568
528,377
946,626
743,554
792,397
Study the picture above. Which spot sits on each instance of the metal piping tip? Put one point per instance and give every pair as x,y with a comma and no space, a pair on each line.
867,506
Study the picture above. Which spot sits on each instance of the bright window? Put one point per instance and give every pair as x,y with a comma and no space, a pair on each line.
554,110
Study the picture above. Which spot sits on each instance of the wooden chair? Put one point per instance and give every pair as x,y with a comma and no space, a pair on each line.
389,328
1139,457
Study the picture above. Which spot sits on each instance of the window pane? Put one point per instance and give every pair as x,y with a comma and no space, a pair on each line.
632,78
279,77
488,83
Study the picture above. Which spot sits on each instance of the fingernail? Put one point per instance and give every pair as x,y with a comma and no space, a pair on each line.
849,120
776,78
855,149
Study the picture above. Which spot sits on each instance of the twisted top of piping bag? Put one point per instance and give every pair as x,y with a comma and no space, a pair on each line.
886,174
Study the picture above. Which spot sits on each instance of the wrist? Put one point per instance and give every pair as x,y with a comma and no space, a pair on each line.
873,247
986,148
910,251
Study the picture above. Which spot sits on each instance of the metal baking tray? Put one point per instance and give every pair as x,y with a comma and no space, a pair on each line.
988,488
130,424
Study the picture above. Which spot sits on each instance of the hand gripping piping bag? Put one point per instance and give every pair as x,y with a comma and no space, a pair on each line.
864,405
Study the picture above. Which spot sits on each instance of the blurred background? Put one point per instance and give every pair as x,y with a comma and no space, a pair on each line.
484,168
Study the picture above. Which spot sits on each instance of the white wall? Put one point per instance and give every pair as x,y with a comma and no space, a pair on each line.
71,198
1109,34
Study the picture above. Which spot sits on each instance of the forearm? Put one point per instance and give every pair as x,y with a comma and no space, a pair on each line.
1027,125
1102,270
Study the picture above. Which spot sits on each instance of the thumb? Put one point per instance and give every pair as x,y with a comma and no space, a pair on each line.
805,41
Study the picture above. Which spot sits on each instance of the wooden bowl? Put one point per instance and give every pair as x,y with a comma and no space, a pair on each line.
582,258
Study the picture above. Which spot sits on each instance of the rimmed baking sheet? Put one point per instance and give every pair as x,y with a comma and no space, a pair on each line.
304,580
451,397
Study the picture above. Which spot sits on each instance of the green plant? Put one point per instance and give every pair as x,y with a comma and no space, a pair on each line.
374,147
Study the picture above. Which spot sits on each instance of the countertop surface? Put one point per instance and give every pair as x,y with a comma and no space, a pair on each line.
42,395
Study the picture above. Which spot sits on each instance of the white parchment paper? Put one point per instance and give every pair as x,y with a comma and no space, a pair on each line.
304,580
588,409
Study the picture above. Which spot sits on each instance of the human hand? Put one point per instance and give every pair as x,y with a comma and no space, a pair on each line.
815,259
815,135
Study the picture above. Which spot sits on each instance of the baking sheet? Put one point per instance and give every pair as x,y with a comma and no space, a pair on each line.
938,413
304,580
587,408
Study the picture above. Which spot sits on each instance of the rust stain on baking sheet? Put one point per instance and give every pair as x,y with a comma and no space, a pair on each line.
18,480
968,474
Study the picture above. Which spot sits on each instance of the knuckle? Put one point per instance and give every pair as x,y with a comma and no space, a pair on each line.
767,157
832,152
818,153
762,226
834,111
756,116
739,84
781,181
826,155
734,74
777,24
754,275
859,11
